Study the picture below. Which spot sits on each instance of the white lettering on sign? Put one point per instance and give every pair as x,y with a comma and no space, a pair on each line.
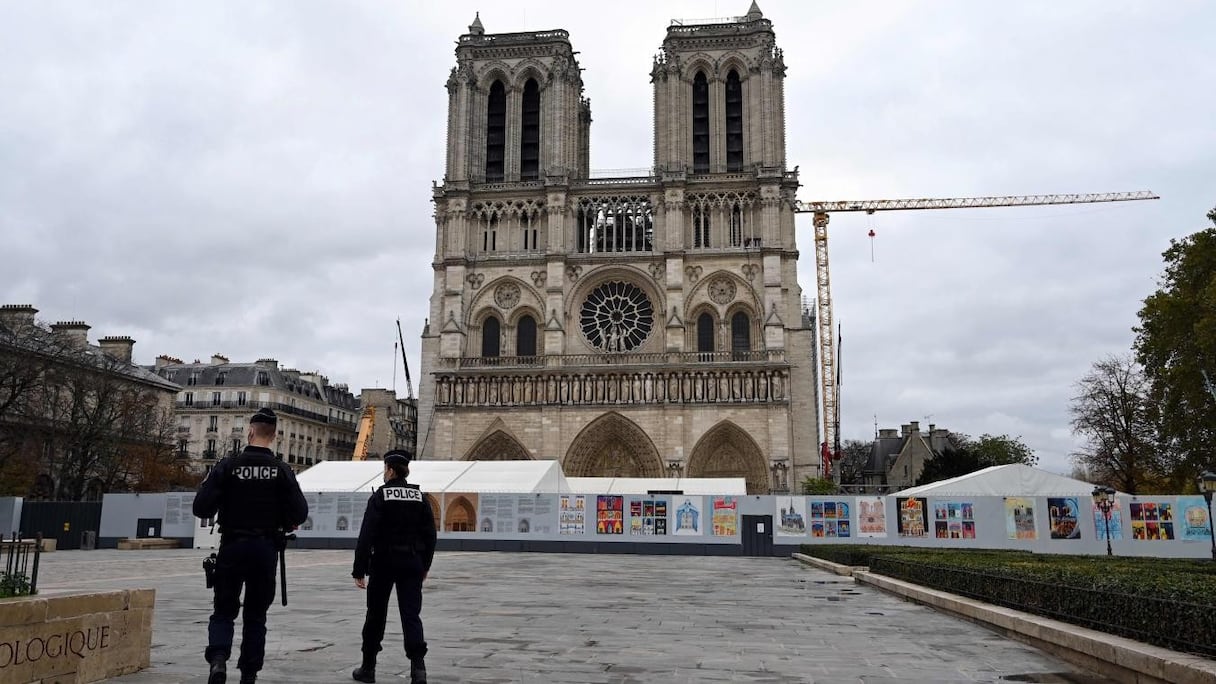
402,494
256,472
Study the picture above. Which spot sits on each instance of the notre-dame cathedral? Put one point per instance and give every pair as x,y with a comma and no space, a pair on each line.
647,326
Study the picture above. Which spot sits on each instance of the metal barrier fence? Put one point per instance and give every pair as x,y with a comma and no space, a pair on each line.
16,556
1178,625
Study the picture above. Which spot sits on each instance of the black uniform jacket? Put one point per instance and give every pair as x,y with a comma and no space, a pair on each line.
253,492
398,520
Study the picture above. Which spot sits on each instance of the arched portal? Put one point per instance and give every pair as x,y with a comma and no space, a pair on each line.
498,446
612,446
461,516
434,504
728,451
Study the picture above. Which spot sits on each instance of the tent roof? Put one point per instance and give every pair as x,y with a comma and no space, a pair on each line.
1014,479
642,485
438,476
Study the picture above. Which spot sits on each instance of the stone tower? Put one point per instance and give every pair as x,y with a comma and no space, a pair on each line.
644,326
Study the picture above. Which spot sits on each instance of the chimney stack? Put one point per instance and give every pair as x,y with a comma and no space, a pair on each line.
17,316
218,359
118,348
75,333
268,363
166,360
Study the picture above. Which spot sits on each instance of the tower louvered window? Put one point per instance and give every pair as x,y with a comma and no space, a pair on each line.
700,124
496,133
740,335
734,122
529,149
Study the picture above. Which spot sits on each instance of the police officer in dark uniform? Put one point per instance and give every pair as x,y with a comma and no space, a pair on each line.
258,500
396,546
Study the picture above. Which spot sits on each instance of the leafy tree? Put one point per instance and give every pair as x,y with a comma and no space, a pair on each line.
966,455
818,485
1176,344
1113,413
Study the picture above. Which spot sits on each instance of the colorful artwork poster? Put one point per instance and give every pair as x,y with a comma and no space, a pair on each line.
686,516
954,520
913,517
572,514
1115,523
1152,520
1019,518
830,519
725,516
871,517
460,512
648,516
609,514
1064,517
791,516
1194,519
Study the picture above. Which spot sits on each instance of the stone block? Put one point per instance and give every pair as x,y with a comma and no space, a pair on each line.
22,611
84,604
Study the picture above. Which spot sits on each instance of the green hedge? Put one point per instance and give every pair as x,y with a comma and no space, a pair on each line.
1168,602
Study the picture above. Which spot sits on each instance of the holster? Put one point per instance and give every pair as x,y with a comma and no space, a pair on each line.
209,570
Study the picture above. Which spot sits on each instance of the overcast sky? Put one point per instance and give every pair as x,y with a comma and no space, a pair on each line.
254,178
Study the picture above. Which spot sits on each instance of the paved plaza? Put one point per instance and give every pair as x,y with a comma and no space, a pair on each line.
515,617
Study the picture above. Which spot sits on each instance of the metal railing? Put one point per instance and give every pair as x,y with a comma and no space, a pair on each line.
1085,606
16,556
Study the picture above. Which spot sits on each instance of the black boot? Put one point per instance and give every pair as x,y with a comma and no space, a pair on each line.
417,671
249,677
367,671
219,672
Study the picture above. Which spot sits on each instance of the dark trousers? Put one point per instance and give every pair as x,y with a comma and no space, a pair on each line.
248,562
405,572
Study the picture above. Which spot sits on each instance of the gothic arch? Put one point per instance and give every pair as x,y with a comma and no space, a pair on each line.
498,446
494,71
530,68
726,450
461,516
487,296
434,504
699,296
735,61
699,62
612,446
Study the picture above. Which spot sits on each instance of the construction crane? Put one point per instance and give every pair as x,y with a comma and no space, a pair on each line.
367,423
829,378
409,386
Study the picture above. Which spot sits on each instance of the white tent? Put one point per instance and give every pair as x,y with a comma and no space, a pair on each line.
1014,479
439,476
641,485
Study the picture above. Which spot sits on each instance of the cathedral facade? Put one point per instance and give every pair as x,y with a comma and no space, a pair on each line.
647,326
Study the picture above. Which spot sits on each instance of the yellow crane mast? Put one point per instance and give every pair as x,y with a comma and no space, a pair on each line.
830,448
367,422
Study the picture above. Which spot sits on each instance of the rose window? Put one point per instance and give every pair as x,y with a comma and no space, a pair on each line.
617,317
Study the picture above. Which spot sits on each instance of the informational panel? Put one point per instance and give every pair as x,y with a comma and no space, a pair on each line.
687,515
725,516
648,516
954,520
572,514
1152,520
1114,522
830,518
871,516
790,516
609,514
515,514
1064,517
1193,519
179,520
1019,518
913,518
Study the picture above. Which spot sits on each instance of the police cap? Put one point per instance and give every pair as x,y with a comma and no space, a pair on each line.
265,415
398,457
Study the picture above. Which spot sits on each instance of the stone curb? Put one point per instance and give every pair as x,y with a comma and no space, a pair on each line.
1121,659
843,570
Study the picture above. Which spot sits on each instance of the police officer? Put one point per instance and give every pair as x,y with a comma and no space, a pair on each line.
396,545
258,500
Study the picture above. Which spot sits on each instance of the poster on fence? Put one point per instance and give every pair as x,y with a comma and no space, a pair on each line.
572,514
686,517
1064,517
725,516
1019,518
459,512
1151,520
791,516
648,516
1193,519
954,520
830,518
609,514
871,517
1114,524
912,520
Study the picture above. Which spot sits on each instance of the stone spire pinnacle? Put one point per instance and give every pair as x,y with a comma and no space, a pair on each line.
478,30
753,12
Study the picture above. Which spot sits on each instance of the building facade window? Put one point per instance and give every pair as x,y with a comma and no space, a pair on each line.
189,399
736,225
700,123
705,333
525,336
529,147
734,122
219,379
700,227
740,335
491,338
215,398
496,133
213,423
240,398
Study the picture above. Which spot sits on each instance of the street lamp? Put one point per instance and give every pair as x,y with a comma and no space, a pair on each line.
1207,485
1104,499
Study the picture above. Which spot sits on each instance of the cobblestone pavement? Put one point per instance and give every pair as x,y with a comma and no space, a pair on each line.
515,617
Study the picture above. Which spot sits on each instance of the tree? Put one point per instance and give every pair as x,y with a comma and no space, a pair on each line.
27,352
1113,412
966,455
818,485
854,455
1176,344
